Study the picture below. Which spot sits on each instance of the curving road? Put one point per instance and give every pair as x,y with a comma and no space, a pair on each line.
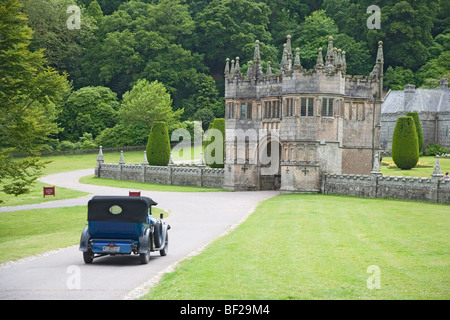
196,219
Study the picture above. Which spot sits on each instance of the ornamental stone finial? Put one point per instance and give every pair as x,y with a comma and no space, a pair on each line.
269,69
437,173
171,163
227,67
145,161
319,63
376,165
237,67
297,58
100,159
256,54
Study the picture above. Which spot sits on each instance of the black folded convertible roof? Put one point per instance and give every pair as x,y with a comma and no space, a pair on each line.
133,209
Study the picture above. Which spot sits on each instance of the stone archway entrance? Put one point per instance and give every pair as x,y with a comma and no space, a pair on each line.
269,159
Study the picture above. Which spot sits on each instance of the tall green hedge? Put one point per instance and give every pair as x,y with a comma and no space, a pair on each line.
158,145
211,145
415,116
405,145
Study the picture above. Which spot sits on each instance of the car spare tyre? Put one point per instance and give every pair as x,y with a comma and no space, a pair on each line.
158,235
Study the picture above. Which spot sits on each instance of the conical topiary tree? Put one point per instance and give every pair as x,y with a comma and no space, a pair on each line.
415,116
405,145
158,145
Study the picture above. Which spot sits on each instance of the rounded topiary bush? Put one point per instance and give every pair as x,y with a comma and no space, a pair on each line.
433,149
214,148
158,145
415,116
405,145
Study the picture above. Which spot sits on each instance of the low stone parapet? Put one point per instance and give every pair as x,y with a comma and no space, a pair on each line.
371,186
198,176
375,185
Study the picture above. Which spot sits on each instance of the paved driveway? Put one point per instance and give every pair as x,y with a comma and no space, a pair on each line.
196,219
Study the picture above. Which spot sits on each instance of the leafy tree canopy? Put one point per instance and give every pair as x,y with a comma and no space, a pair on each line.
146,103
30,93
125,46
89,109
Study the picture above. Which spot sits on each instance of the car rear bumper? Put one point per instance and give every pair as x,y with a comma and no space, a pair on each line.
111,246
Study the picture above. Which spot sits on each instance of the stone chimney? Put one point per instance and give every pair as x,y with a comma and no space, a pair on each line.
410,90
444,83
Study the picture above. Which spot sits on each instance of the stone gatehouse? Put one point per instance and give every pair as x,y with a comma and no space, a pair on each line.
285,129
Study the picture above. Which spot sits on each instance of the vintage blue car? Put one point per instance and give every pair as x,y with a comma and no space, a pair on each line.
123,225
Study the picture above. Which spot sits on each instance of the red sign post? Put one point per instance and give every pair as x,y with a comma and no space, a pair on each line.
49,191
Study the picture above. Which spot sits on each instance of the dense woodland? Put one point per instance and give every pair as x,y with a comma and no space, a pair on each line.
135,62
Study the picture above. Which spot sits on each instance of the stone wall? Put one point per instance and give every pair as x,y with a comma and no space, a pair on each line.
198,176
370,186
376,186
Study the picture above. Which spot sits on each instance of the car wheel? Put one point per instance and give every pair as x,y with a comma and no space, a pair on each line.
145,257
165,250
88,256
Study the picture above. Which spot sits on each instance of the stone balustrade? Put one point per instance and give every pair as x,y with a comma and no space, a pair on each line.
197,175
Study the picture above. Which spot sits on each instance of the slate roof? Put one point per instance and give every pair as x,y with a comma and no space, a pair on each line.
423,100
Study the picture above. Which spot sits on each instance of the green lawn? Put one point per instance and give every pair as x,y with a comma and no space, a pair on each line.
24,233
36,196
320,247
292,247
144,185
63,164
418,171
85,161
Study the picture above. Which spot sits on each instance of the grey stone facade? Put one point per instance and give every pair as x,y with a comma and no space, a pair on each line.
432,105
308,122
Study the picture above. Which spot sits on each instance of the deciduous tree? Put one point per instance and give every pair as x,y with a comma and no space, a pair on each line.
29,95
146,103
89,109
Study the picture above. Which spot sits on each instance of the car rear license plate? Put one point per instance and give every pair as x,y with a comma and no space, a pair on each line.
111,249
